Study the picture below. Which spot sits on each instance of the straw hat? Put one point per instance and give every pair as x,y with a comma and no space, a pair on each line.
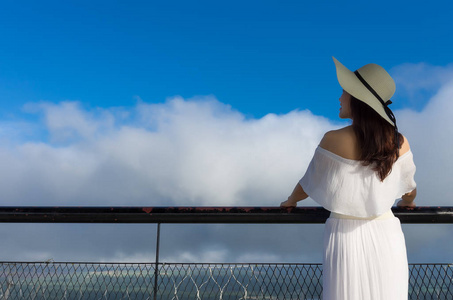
370,84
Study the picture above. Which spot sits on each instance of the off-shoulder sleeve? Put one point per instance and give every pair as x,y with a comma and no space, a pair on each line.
347,187
312,179
324,179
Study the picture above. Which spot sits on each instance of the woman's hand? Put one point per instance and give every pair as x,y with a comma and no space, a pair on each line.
297,195
407,200
408,204
288,203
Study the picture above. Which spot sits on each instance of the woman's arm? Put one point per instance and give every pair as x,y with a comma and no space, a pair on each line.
407,200
297,195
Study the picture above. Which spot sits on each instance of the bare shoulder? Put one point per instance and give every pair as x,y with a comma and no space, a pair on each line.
342,142
405,147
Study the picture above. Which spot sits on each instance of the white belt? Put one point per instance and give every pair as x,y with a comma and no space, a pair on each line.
386,215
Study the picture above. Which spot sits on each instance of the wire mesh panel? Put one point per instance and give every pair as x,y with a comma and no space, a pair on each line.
240,281
191,281
431,281
75,281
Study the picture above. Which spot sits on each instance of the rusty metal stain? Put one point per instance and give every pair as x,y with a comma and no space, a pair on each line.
230,209
147,210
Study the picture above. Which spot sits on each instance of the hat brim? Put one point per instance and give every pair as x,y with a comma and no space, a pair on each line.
351,84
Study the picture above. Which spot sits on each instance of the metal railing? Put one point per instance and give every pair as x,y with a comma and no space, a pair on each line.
31,280
230,215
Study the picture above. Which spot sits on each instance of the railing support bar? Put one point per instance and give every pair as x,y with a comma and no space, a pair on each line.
156,267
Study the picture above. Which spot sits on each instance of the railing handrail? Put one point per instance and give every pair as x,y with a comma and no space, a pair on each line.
235,215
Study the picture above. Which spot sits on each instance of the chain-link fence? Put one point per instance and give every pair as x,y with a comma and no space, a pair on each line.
20,280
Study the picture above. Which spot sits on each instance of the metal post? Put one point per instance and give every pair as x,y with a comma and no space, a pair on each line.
156,267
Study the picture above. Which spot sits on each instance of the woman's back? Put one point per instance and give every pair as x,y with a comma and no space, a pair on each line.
343,142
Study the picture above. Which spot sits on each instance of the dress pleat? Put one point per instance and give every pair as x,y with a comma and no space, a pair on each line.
364,260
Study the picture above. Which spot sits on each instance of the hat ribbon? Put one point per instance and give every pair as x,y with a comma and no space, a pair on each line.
387,110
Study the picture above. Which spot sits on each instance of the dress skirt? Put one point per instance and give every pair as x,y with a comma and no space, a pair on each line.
364,260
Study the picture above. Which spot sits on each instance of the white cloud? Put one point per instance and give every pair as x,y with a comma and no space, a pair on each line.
421,76
67,122
429,133
183,152
419,82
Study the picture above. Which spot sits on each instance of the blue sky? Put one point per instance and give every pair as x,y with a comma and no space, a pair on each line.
204,103
258,56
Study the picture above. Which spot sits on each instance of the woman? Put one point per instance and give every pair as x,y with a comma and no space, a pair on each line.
356,173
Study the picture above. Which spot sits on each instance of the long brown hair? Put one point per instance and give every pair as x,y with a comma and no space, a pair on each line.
376,138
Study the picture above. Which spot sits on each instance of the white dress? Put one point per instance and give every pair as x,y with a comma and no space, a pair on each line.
365,253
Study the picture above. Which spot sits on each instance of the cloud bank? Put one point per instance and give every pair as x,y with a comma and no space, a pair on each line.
183,152
194,152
